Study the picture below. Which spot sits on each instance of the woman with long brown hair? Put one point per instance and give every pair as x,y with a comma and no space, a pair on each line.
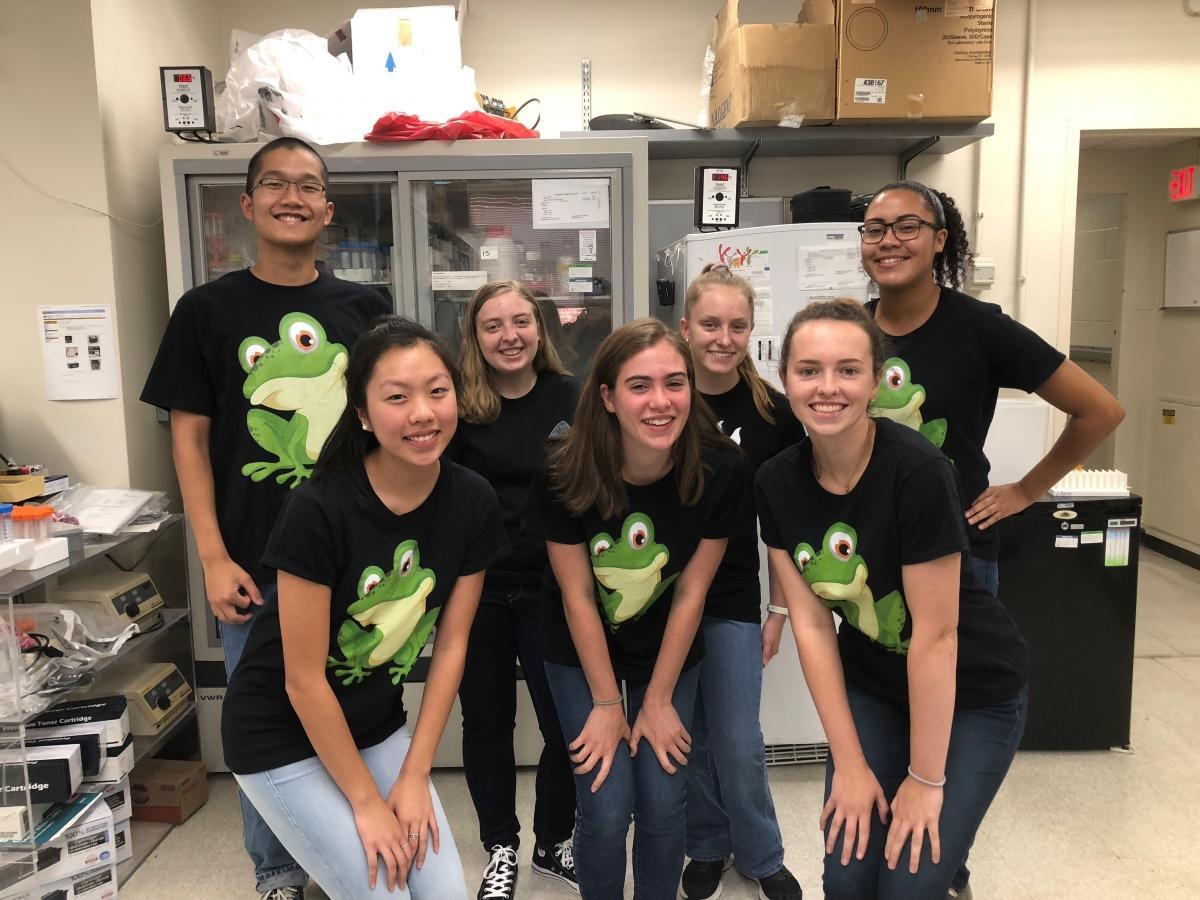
515,392
636,506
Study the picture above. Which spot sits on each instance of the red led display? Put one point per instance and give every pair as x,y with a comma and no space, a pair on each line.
719,176
183,78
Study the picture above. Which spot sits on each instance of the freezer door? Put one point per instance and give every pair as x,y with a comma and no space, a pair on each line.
559,235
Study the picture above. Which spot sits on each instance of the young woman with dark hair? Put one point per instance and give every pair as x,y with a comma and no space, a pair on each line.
515,392
636,506
922,691
383,543
729,808
951,355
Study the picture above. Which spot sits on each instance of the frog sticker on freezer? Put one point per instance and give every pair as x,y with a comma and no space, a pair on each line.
900,400
838,575
629,570
301,373
388,621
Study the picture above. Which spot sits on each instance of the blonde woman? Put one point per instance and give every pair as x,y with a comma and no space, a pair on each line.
515,392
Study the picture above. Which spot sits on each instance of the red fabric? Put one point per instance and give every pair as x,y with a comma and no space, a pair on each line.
474,124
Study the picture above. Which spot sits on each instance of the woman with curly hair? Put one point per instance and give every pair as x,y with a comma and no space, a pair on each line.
951,354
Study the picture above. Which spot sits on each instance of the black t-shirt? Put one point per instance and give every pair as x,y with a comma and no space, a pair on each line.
389,577
944,379
735,589
265,362
636,558
904,510
508,453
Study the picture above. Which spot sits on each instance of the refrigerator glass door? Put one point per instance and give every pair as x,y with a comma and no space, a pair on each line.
553,234
357,245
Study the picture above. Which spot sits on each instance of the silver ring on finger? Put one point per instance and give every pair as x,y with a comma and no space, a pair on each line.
414,837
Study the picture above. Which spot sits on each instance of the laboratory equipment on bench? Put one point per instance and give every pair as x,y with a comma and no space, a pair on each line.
156,692
120,597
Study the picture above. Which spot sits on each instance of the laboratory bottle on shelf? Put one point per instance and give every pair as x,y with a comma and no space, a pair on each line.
500,256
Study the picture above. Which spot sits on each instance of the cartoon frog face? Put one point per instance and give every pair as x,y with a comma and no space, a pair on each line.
835,571
302,352
629,569
635,551
896,390
405,584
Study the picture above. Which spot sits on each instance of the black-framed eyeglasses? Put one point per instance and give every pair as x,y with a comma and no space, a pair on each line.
279,186
905,229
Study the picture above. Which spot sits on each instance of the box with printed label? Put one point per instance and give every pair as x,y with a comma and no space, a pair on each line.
168,790
900,61
99,883
87,844
118,798
767,74
123,840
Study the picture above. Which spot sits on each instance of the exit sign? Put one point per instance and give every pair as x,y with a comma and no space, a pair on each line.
1184,184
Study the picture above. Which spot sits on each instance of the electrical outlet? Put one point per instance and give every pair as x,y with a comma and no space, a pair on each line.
983,270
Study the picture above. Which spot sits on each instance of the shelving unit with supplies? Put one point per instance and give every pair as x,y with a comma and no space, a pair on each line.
162,555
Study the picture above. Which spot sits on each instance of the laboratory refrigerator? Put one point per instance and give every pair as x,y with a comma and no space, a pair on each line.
1068,577
425,224
789,267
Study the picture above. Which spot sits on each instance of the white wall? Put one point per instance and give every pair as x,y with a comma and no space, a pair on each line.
53,252
132,39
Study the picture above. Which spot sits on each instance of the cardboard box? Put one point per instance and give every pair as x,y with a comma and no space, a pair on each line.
900,61
168,790
123,840
341,39
767,74
86,845
119,799
15,488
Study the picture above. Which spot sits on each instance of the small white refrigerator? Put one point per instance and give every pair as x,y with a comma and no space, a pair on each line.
789,267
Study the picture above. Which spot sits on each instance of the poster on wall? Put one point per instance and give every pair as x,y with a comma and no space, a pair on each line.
79,352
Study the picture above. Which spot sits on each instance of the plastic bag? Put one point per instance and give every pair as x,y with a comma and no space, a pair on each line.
287,83
473,124
108,510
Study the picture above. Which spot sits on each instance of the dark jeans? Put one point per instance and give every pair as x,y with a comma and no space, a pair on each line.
637,789
507,628
983,743
274,867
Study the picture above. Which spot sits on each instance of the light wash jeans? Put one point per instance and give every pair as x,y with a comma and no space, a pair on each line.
273,865
637,789
314,820
729,806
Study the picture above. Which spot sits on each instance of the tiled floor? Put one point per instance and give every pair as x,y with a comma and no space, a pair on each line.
1066,825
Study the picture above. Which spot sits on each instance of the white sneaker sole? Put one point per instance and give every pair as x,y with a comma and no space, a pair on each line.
547,873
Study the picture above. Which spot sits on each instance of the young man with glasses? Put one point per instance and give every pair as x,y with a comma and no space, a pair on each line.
251,368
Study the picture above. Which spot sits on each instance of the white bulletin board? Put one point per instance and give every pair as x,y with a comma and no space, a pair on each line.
1182,283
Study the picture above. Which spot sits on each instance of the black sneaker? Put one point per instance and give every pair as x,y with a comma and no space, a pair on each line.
500,876
283,893
780,886
557,863
702,878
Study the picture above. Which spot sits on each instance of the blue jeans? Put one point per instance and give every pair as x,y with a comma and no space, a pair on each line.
729,806
304,806
637,789
983,743
273,865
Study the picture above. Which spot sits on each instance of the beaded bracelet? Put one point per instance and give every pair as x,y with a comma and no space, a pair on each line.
917,778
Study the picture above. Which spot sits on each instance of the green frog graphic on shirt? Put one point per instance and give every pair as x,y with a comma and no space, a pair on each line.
629,570
388,621
301,373
900,400
838,575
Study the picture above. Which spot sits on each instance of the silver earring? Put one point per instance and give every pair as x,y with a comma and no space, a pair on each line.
366,427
